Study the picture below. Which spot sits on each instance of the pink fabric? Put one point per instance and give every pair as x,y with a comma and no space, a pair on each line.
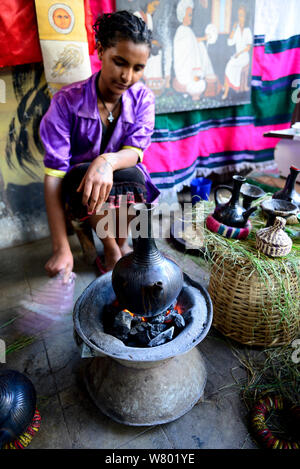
258,60
280,65
271,67
98,7
102,6
207,142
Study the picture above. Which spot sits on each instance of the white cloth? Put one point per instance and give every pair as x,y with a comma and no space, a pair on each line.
241,39
153,69
277,19
191,61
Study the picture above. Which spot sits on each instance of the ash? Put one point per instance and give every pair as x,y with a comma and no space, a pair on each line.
134,331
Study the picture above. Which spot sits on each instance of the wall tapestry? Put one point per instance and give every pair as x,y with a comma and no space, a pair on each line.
202,51
64,41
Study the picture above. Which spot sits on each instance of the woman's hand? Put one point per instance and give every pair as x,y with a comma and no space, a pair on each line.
96,184
61,260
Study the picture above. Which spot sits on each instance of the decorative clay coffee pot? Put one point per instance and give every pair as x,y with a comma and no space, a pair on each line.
17,405
289,192
145,281
232,213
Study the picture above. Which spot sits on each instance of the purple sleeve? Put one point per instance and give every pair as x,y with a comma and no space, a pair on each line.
55,135
139,134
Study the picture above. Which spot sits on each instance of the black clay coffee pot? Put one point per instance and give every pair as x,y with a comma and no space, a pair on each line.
145,281
17,405
289,192
232,213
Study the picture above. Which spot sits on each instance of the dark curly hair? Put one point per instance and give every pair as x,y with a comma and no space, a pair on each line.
111,28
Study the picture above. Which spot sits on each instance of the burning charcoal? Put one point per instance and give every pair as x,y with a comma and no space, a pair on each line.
138,319
179,321
143,338
187,315
162,338
142,327
139,334
122,325
156,329
158,319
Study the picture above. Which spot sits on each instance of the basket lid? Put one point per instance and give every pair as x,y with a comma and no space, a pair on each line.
273,241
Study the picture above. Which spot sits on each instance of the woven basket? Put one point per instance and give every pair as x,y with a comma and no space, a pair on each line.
248,310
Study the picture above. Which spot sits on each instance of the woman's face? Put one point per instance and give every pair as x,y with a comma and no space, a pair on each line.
61,18
187,20
122,65
241,17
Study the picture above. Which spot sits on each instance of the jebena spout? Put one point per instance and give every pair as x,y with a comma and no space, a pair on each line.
248,212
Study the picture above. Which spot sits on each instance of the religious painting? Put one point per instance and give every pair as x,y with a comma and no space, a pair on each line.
201,51
63,40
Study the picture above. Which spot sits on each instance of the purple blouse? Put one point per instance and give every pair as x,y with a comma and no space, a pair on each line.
71,129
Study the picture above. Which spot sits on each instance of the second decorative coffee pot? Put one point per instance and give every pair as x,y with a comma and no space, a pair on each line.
232,213
289,192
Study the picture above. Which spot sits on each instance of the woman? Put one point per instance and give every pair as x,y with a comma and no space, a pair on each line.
94,135
241,37
192,64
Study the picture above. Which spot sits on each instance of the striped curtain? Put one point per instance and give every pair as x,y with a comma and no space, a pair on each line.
230,139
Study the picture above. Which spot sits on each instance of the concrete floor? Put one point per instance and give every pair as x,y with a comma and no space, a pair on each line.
52,361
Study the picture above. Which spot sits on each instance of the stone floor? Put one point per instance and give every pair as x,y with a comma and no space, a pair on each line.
52,362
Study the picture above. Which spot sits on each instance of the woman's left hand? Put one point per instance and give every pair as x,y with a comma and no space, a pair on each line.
96,184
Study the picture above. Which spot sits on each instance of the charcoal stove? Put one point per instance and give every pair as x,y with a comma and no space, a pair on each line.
142,386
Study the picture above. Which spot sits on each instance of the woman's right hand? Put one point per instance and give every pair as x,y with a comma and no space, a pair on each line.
96,184
61,260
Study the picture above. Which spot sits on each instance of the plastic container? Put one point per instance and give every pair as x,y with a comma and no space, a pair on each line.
200,189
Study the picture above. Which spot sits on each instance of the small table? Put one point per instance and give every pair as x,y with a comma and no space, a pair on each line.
284,133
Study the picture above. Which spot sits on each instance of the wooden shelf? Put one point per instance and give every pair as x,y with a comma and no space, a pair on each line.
285,133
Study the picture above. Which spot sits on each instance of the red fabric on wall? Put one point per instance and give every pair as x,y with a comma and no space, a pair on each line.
19,37
18,33
89,21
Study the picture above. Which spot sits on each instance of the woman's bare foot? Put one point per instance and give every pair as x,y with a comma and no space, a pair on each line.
111,258
112,253
124,246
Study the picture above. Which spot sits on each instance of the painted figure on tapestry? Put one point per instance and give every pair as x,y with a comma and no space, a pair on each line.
61,18
64,42
237,68
191,61
201,54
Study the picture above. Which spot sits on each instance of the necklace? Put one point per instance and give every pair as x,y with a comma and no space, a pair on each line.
110,116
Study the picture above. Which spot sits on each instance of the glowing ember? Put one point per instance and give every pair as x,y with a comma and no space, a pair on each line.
136,330
176,307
